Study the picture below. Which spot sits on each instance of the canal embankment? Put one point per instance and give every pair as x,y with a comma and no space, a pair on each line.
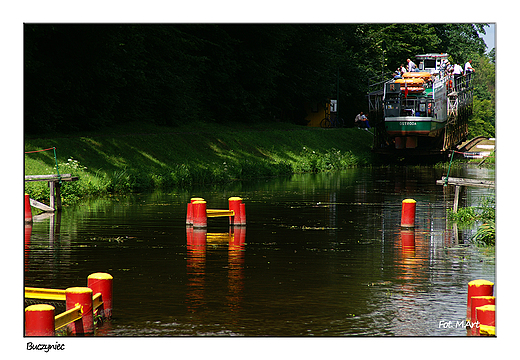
140,157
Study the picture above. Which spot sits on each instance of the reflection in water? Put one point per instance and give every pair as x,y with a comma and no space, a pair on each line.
199,242
325,255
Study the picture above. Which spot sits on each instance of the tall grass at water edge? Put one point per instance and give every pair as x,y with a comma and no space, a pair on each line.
144,157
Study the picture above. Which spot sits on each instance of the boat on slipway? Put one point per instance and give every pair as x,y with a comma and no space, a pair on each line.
421,113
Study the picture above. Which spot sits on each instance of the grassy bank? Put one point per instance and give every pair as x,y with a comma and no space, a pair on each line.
143,157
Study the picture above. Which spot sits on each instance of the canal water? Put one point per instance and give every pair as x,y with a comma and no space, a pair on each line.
321,255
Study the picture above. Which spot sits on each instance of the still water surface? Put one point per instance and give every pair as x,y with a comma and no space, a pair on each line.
322,254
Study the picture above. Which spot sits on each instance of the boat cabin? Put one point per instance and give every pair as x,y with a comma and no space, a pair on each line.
431,62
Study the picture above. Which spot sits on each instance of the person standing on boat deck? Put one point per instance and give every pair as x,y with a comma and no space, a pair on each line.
443,67
457,74
468,70
411,65
403,69
362,121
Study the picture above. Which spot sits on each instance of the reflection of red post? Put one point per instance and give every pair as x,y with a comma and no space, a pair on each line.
477,288
408,240
102,283
27,208
477,301
39,320
27,244
83,297
486,319
408,213
238,240
200,218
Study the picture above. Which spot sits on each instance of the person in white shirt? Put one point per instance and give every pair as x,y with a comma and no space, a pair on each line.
457,74
411,65
468,70
402,69
362,121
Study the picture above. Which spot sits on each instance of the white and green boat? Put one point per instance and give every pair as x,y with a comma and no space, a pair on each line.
420,112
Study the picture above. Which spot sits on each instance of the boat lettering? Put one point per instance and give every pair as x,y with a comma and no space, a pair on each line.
407,123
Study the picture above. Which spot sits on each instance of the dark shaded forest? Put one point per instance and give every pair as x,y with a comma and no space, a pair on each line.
81,77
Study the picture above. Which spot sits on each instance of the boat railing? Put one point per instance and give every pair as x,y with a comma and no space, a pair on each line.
383,79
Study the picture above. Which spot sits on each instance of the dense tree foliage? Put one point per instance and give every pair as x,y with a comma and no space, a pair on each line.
86,76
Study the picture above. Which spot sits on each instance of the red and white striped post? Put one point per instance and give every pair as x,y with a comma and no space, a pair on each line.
83,297
408,213
200,217
39,320
102,283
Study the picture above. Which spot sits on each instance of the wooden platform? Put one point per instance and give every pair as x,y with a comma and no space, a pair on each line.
458,182
466,182
54,182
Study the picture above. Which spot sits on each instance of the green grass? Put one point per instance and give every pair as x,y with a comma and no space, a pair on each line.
483,214
141,157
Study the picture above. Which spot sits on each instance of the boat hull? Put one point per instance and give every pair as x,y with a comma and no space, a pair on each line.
413,126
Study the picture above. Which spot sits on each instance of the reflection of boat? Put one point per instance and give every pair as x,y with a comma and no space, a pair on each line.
422,112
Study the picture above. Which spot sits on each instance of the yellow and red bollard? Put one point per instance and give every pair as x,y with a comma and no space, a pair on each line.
478,301
83,297
408,213
189,214
102,283
39,320
235,204
200,217
486,319
477,288
27,208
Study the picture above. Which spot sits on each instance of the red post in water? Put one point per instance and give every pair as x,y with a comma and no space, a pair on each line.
242,213
477,301
189,213
39,320
477,288
408,213
200,218
83,297
102,283
486,319
234,204
27,208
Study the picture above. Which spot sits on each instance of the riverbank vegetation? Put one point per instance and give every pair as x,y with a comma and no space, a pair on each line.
131,107
483,214
139,157
82,77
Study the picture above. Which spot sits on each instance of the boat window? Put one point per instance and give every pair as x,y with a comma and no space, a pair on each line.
429,63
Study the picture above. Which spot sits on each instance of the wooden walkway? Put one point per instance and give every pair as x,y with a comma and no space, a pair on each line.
54,182
459,182
466,182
